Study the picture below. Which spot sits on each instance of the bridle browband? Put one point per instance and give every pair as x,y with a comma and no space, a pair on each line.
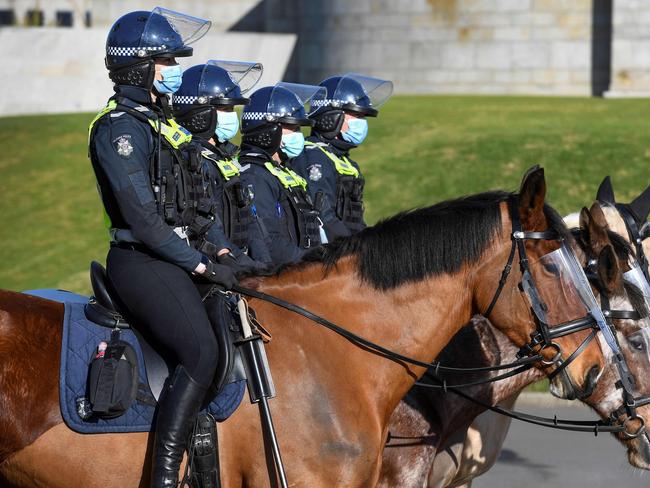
543,338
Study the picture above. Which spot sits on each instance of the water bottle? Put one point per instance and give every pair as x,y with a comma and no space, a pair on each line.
101,349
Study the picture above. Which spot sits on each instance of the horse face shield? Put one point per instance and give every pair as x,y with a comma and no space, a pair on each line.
558,290
638,289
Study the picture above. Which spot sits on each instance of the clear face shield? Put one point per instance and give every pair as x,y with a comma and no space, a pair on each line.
374,92
242,74
295,108
638,289
167,30
559,292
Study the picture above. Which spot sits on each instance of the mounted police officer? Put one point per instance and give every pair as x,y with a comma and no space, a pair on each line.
340,125
149,177
205,104
288,220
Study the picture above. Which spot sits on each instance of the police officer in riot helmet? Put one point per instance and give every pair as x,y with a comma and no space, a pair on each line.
288,220
205,104
149,177
340,125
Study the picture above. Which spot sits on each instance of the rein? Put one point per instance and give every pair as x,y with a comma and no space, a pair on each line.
554,423
543,339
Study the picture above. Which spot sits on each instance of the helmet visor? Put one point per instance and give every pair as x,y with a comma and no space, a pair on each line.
363,91
294,107
243,74
167,31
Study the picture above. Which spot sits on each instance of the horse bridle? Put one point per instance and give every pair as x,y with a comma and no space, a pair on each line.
630,402
544,337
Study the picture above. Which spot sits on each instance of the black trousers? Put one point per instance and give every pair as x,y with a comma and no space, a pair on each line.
165,305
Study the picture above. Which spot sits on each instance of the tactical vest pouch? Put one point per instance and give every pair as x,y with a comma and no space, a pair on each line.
113,379
349,200
307,222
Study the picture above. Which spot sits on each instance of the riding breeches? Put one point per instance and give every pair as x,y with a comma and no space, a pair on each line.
165,305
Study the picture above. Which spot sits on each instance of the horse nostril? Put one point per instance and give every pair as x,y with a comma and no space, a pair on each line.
590,380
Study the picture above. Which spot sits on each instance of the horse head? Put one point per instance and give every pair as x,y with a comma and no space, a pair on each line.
551,294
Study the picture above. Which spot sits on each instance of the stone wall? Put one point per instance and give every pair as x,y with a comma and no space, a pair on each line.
223,13
555,47
55,70
442,46
631,49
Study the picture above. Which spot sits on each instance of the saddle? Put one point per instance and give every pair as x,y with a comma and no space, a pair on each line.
104,309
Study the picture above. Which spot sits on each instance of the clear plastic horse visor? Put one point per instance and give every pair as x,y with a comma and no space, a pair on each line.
185,30
562,292
639,294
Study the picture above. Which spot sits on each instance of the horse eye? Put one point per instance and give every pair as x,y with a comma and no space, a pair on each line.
552,268
637,343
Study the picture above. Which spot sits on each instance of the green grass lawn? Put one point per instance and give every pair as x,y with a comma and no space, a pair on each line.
420,150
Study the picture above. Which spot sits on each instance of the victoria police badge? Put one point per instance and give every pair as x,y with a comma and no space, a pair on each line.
123,145
315,173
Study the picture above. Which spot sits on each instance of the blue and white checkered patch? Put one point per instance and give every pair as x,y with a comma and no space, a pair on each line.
132,51
184,99
259,115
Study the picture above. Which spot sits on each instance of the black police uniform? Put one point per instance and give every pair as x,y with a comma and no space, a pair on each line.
232,200
340,189
149,264
287,221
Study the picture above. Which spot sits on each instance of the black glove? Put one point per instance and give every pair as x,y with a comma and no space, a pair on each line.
219,274
241,263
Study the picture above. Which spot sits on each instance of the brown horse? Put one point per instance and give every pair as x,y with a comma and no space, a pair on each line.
409,283
430,451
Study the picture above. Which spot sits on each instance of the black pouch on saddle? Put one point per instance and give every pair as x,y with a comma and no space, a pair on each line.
113,379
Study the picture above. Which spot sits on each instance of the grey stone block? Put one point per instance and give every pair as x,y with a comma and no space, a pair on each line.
512,33
494,55
530,55
459,56
425,55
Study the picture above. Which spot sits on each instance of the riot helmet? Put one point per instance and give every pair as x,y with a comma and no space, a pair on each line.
272,107
354,93
207,87
137,38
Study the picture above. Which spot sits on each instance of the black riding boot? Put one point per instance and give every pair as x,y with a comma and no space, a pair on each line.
177,410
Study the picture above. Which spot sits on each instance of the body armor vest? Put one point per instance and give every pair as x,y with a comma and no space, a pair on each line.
236,212
175,171
349,190
297,205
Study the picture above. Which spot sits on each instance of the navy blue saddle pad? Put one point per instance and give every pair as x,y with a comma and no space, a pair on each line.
79,346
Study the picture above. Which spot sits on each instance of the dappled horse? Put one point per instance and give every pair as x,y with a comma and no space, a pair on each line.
426,447
409,283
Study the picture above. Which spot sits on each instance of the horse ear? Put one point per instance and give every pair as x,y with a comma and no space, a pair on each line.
608,269
531,199
585,217
605,191
598,238
641,206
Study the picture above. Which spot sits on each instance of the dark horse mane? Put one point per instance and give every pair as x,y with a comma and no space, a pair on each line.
423,242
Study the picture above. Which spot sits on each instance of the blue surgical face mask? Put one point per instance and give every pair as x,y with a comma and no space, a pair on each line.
292,144
172,77
357,131
227,125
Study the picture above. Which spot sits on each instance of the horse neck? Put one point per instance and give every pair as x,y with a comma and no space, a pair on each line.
485,346
415,319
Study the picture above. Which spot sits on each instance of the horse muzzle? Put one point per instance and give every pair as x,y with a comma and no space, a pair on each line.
562,386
